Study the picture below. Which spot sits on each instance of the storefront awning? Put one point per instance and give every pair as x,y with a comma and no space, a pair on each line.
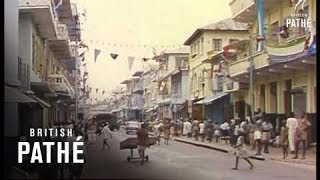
210,99
12,95
40,101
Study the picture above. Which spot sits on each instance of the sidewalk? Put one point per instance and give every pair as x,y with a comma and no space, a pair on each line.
275,153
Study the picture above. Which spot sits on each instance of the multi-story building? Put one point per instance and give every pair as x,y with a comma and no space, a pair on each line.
134,96
44,44
173,83
284,65
205,43
150,87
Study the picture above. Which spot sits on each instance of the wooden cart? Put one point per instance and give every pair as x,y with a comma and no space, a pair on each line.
132,143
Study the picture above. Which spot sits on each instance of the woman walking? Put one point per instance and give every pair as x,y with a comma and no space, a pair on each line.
241,153
166,134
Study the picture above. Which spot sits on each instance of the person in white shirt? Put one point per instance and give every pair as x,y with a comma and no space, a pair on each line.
257,135
105,135
189,128
292,124
201,130
157,133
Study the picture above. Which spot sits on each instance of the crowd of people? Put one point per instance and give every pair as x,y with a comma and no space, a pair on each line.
258,132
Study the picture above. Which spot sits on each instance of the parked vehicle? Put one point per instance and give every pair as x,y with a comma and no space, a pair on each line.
105,117
132,127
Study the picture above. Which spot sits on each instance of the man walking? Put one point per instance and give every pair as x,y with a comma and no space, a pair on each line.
142,135
292,125
105,134
201,130
266,131
302,135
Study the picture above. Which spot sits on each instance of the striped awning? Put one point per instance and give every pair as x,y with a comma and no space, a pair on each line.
13,95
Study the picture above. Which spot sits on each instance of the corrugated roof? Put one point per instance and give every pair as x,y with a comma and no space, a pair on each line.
224,25
182,50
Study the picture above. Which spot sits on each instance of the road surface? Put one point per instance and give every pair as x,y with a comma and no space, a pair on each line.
182,161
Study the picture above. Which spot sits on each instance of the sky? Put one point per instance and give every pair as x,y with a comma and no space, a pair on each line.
138,25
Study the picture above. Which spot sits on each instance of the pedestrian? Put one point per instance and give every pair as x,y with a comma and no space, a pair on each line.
210,133
216,132
266,131
257,139
241,153
105,135
142,135
284,139
195,128
189,129
292,124
184,128
252,127
302,135
157,133
166,133
201,130
225,131
236,132
172,131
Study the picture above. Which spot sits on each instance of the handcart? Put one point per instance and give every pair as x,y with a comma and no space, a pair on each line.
132,143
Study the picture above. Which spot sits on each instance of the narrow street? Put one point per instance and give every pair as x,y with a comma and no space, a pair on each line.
181,161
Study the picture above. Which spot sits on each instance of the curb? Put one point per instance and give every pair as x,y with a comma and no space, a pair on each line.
217,149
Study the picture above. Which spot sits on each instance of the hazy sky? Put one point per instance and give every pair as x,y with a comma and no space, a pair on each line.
138,22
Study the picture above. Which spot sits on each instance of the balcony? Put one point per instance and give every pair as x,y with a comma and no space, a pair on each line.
24,74
231,86
43,16
245,10
60,84
285,42
60,46
241,66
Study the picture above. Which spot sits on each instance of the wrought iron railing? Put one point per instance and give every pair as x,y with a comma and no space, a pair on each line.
23,74
285,37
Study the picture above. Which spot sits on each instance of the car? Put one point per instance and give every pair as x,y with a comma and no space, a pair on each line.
132,127
107,118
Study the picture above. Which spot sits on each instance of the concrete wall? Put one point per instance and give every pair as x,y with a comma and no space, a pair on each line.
11,41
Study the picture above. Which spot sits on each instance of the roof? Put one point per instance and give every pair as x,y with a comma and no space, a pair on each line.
182,50
224,25
138,73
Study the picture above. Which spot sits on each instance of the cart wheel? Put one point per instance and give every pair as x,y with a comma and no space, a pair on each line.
147,158
128,158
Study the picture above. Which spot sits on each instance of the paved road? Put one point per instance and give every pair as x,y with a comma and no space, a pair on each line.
182,161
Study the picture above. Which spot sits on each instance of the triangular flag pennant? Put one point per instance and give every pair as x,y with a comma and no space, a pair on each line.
82,45
82,54
103,92
96,54
84,64
130,61
145,59
114,56
97,90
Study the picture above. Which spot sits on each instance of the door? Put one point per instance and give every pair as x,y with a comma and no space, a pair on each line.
299,104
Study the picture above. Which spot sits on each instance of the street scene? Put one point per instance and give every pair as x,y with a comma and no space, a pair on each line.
161,89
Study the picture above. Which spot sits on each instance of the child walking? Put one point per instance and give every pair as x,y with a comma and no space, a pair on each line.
241,153
284,139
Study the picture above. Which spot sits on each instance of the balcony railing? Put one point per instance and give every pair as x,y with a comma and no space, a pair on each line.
24,74
288,38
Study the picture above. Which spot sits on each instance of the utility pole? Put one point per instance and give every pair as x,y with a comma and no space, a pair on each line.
251,94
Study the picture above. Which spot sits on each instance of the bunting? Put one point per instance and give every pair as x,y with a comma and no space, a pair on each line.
114,56
130,61
96,54
82,45
97,90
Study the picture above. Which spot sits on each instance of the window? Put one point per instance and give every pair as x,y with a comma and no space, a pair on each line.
273,97
217,44
191,47
233,41
201,45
